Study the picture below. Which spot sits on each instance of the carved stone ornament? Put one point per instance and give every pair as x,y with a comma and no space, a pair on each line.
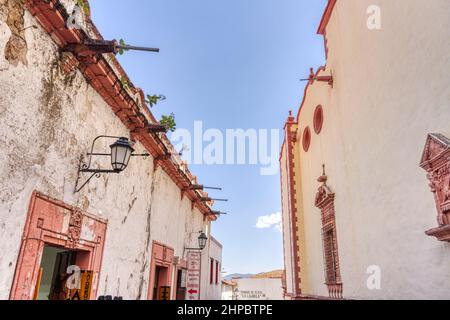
324,194
74,232
325,202
436,161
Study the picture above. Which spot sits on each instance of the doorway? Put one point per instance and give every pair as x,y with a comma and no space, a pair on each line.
161,276
181,285
161,273
53,235
52,273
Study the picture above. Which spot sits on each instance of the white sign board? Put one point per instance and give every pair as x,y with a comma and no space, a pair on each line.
193,276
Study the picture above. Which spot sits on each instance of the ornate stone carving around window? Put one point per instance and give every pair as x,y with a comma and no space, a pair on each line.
74,232
436,162
325,202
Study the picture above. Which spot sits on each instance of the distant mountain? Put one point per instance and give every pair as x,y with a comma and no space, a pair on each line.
275,274
238,275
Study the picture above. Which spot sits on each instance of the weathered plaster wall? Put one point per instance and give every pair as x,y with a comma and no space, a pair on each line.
391,89
48,120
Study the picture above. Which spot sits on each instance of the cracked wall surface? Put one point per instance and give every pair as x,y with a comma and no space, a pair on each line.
12,14
48,120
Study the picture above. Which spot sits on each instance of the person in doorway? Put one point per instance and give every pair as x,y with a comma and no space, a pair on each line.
60,291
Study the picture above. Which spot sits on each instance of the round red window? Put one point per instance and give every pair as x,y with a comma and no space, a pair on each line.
318,119
306,139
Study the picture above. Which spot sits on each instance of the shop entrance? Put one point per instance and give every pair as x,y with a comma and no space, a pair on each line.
161,274
53,239
52,273
53,276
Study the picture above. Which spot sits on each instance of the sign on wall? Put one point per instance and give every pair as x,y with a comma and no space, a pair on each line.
164,293
193,276
84,292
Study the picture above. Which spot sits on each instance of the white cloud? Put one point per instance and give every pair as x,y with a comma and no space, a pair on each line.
268,221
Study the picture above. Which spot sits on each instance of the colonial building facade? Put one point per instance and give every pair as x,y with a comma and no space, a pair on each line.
365,162
63,107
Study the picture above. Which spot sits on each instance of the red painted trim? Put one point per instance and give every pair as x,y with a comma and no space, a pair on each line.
306,141
322,68
45,225
293,204
436,162
324,23
217,272
283,221
211,270
324,200
162,256
318,119
326,17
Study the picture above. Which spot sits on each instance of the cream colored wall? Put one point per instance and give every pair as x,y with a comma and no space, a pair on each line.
48,120
391,89
227,292
259,289
309,221
305,279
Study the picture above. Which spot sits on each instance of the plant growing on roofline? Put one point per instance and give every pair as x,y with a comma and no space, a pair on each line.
153,100
124,83
169,122
84,5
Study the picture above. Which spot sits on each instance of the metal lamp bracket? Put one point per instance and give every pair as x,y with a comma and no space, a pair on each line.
84,167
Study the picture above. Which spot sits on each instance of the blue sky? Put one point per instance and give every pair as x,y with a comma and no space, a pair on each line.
231,64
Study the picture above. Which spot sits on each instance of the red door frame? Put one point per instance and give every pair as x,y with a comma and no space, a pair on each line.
162,256
53,222
180,267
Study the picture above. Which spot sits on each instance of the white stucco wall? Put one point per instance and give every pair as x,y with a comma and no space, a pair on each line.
391,88
227,292
47,121
214,291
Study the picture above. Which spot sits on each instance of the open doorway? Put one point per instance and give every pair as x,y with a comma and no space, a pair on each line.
161,274
53,239
53,275
52,271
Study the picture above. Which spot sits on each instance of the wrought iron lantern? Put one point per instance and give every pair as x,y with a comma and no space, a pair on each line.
121,152
202,239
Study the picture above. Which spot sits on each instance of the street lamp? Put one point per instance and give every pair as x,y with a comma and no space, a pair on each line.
121,152
202,239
